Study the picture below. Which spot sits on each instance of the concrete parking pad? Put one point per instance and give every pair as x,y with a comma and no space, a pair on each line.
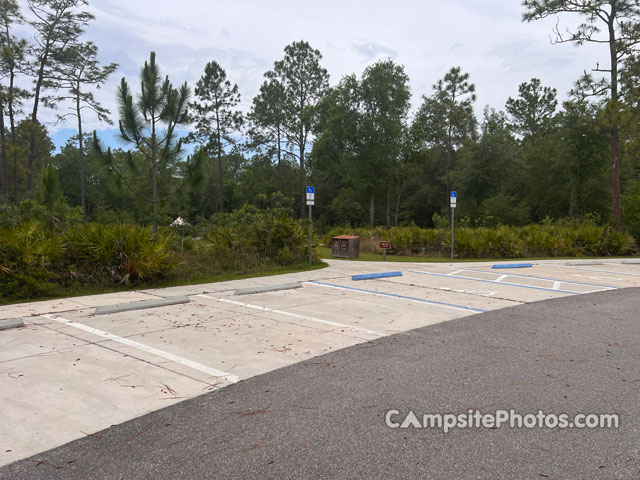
103,370
325,417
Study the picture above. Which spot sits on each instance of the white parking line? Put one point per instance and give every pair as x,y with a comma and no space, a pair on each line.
296,315
545,278
145,348
397,296
596,270
520,285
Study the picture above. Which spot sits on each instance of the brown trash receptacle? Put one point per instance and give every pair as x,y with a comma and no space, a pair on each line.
345,246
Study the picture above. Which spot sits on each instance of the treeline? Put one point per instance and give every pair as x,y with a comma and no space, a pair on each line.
372,162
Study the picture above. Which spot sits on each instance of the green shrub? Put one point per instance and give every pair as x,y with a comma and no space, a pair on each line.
547,239
119,253
465,243
590,238
504,210
252,238
619,243
29,255
631,209
37,259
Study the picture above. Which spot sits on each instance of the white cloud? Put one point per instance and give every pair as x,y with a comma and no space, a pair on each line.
485,37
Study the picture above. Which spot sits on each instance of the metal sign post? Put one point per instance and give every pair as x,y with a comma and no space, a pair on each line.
311,192
384,246
454,198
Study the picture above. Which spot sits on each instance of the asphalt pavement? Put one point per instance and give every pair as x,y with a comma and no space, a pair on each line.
325,417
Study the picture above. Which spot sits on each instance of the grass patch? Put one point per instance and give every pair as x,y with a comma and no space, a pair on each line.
195,278
325,253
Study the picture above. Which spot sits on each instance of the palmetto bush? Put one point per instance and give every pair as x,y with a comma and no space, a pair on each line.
619,243
561,239
29,258
37,260
119,253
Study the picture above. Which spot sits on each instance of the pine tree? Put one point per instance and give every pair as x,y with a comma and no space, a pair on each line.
79,71
158,103
215,116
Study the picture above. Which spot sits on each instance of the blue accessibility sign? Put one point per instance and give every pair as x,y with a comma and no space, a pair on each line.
453,194
311,189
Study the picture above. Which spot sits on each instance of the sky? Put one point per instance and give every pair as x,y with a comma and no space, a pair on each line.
486,38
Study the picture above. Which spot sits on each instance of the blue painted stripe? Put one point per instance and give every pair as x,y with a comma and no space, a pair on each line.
544,278
369,276
403,297
513,265
498,283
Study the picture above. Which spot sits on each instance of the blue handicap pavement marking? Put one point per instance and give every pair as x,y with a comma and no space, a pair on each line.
369,276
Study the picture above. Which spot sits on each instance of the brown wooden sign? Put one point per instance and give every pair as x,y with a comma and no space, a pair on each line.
385,244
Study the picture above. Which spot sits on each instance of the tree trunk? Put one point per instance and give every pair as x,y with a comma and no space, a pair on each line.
220,172
279,171
220,185
388,206
372,204
15,173
449,148
615,141
154,179
34,120
83,203
303,190
4,179
154,198
12,125
397,205
615,175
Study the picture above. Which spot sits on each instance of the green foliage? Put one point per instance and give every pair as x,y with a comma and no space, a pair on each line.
29,255
61,216
118,253
251,236
49,191
37,260
110,216
504,210
216,117
556,239
158,105
631,209
346,208
360,138
301,83
440,221
532,112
